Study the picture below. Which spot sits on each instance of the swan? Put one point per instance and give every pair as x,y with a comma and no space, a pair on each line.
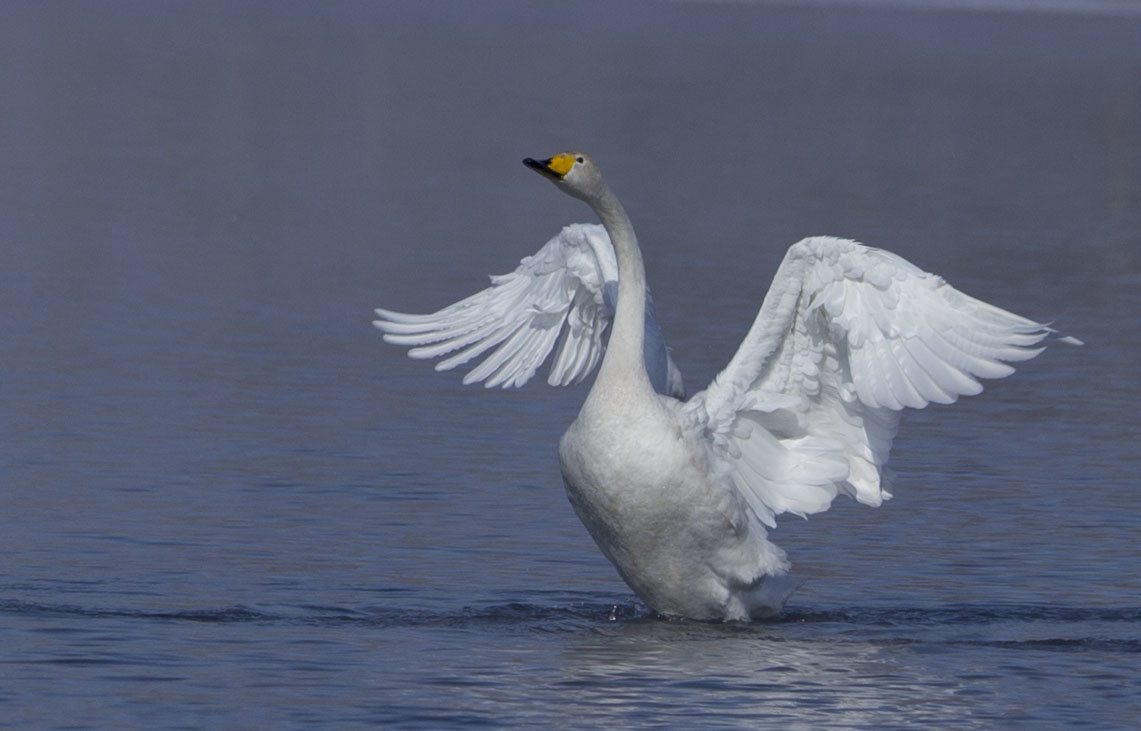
679,494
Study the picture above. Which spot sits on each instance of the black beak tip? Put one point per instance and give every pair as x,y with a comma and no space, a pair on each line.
541,167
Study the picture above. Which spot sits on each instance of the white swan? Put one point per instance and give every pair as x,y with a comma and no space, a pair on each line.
678,494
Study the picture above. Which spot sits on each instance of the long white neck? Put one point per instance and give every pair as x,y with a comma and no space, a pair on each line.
623,369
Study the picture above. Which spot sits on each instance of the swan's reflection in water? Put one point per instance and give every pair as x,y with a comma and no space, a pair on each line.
561,662
672,671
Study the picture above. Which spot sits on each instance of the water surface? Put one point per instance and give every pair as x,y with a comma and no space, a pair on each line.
224,502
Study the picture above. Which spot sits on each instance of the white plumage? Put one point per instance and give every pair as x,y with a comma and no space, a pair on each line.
559,299
678,494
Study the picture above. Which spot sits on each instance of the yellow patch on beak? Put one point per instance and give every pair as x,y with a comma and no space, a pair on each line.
561,164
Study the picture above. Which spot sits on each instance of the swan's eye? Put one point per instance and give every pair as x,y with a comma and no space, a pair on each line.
579,159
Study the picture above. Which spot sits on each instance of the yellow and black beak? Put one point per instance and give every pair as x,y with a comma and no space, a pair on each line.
555,168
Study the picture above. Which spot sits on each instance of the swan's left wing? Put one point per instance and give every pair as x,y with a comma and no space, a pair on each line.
560,299
847,336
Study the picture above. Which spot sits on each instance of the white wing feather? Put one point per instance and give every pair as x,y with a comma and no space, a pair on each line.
847,336
560,299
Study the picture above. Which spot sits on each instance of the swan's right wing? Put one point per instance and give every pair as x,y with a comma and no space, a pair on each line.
560,299
847,336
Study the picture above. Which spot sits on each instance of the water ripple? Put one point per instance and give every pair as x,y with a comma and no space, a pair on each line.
973,614
585,615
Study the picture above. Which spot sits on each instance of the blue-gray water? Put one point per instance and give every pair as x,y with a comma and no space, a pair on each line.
225,503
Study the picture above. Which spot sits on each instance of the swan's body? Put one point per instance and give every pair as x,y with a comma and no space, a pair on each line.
678,494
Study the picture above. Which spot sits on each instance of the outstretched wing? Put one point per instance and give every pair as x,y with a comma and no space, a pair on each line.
847,336
559,299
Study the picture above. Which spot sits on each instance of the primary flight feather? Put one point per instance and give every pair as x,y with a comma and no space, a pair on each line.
678,494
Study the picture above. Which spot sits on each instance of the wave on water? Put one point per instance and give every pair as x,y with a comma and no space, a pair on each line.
956,614
884,624
510,613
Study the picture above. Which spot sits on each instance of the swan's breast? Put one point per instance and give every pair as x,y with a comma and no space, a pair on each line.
644,493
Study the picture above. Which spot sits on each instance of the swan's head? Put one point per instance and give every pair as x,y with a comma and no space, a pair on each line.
575,173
